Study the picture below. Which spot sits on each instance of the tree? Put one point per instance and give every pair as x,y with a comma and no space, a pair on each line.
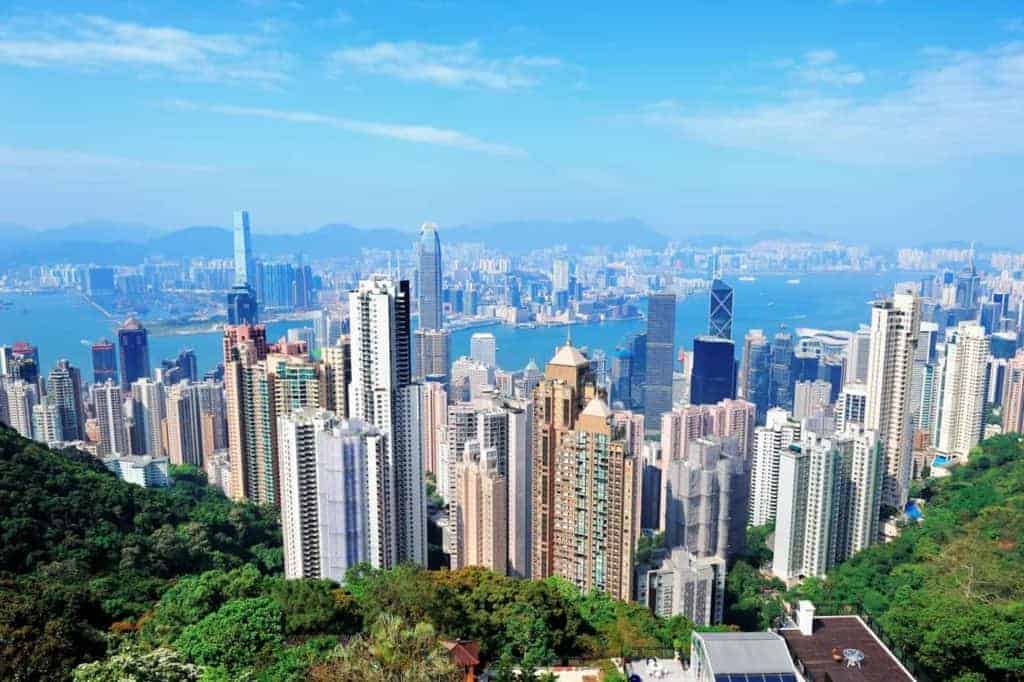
391,651
238,635
159,665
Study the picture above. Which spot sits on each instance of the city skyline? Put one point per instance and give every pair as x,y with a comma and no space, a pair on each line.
817,118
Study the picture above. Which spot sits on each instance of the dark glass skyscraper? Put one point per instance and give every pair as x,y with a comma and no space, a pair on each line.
104,361
720,310
242,306
714,370
133,347
757,374
781,386
428,262
661,330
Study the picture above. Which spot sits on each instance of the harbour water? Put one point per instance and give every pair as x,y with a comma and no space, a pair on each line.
63,325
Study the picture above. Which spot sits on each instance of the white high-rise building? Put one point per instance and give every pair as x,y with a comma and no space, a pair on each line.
325,466
962,391
21,398
770,440
851,406
895,324
829,498
382,394
46,422
483,348
109,404
148,411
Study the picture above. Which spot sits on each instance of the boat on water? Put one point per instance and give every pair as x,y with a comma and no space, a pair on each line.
792,281
748,278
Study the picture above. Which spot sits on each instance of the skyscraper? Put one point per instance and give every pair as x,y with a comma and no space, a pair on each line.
243,249
781,380
720,310
184,424
148,411
327,466
961,404
828,508
46,422
706,499
64,386
557,402
104,361
1013,395
483,348
337,369
428,262
382,394
242,304
482,494
857,354
660,354
21,398
249,407
108,401
433,355
810,398
755,373
714,370
770,441
895,324
133,347
852,406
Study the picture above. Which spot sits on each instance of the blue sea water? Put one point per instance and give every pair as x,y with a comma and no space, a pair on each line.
63,325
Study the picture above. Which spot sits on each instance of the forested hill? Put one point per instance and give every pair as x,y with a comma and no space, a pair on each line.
182,584
81,551
949,593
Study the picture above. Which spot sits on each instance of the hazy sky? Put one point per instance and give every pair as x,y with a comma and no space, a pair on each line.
869,119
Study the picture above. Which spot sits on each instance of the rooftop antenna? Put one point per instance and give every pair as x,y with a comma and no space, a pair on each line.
568,334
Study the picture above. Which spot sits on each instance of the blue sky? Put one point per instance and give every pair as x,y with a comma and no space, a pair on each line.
863,119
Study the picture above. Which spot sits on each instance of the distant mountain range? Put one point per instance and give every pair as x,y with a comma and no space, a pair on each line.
112,243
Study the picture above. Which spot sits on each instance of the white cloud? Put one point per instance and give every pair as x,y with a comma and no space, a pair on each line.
445,65
822,67
423,134
962,105
21,158
93,42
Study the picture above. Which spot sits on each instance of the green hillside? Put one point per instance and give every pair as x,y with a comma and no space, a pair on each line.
949,592
182,584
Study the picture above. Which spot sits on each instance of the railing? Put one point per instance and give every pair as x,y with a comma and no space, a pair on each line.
875,627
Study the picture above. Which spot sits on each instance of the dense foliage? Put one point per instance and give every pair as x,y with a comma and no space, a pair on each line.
949,592
81,551
115,582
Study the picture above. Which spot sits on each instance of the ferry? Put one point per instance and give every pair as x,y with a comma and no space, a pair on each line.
792,281
748,278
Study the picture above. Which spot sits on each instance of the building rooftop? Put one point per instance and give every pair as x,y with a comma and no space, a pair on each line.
738,654
569,356
814,652
596,408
